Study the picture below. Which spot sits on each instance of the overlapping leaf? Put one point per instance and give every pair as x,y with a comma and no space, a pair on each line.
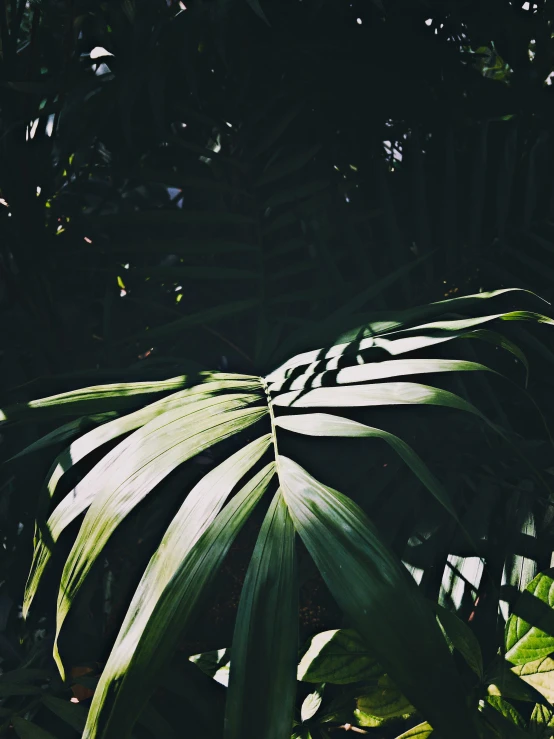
153,624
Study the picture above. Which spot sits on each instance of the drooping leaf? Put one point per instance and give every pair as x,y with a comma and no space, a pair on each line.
65,432
135,467
81,497
324,424
90,400
339,656
262,685
376,594
168,598
542,721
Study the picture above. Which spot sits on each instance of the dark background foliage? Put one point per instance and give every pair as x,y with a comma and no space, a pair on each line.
229,178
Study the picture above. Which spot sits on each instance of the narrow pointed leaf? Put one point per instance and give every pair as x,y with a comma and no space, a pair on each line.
378,597
96,399
324,424
461,637
80,498
65,432
135,467
143,646
74,715
262,683
386,393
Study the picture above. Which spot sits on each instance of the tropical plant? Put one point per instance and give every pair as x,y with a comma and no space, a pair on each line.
255,422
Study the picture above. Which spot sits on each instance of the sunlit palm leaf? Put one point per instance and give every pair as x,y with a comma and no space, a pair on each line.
147,458
120,692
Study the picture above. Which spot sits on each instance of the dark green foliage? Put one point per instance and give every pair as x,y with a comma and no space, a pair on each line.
240,186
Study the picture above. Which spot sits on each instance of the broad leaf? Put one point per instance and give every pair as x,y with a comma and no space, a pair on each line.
540,675
339,656
421,731
383,700
311,704
530,628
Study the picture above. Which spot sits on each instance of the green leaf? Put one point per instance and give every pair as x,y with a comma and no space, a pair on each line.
82,496
74,715
7,689
385,393
421,731
461,637
379,598
530,628
65,432
324,424
540,675
506,709
504,718
129,472
311,704
339,656
542,721
501,680
383,701
25,675
318,373
262,683
28,730
170,594
90,400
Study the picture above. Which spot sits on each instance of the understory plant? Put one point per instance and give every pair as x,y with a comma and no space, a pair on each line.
401,661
